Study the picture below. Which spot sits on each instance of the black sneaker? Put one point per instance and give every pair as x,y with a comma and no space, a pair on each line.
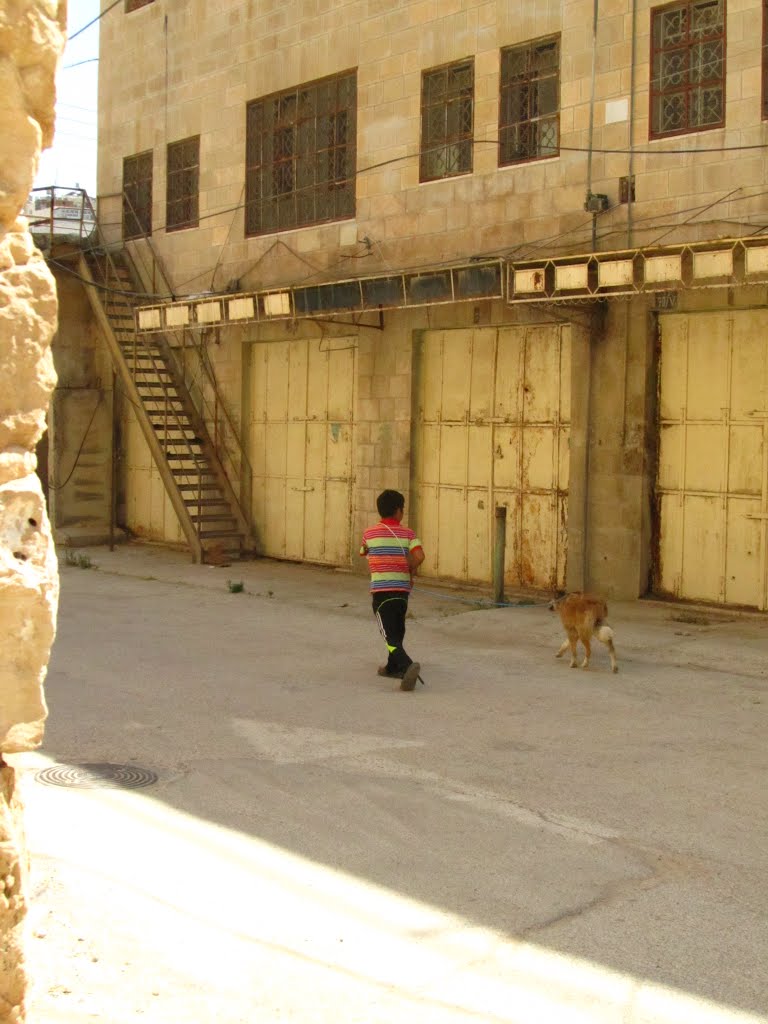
410,676
382,671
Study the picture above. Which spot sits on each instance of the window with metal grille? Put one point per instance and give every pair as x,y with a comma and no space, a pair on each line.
529,106
134,5
687,67
137,195
300,156
182,184
447,98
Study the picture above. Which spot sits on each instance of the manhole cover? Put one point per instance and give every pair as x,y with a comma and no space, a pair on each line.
96,776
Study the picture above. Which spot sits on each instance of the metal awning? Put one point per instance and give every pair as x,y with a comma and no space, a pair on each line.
466,282
727,263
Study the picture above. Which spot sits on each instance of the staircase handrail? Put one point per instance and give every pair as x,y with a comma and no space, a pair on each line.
211,410
207,411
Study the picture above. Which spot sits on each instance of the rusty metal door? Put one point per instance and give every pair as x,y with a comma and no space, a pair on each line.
712,484
301,448
492,428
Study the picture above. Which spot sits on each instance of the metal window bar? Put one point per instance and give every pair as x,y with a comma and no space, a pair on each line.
182,184
447,116
687,89
137,185
529,103
301,156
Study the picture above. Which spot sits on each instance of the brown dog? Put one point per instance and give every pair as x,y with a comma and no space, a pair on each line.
583,616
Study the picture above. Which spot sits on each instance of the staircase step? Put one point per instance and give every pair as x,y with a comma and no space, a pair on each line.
215,502
200,519
184,433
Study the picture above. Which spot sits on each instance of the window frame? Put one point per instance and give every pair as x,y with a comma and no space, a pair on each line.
192,196
529,46
131,210
655,93
279,195
427,146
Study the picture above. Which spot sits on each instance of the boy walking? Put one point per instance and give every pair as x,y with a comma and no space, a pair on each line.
394,553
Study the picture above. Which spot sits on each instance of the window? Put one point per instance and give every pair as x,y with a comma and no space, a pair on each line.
529,108
182,184
300,156
446,121
687,67
134,5
137,195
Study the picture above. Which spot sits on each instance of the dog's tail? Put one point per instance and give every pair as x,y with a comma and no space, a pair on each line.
604,633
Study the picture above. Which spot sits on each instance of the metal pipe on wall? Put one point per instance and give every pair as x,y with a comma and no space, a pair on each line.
595,10
631,140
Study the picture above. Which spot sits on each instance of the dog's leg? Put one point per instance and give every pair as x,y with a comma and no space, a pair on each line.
584,637
573,637
605,636
563,648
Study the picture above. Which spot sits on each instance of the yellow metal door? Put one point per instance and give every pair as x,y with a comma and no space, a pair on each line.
149,513
492,429
712,484
301,448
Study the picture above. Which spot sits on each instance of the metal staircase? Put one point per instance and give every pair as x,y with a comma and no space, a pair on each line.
152,375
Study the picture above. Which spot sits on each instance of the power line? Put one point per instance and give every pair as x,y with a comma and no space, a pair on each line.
93,21
91,60
74,106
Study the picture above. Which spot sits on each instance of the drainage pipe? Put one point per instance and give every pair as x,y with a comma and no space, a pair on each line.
631,147
595,7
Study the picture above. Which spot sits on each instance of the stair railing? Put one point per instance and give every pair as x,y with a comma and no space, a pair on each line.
193,364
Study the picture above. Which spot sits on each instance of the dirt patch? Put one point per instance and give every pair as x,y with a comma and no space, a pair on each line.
697,619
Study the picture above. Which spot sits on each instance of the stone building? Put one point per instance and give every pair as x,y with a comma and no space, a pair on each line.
507,257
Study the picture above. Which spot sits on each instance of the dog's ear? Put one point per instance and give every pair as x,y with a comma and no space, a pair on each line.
558,597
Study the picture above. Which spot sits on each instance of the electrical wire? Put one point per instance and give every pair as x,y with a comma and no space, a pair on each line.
90,60
103,287
529,248
59,487
93,21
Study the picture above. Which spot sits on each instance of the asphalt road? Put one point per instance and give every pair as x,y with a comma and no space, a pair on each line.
514,843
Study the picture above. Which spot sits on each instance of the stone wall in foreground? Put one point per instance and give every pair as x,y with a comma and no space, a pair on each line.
31,41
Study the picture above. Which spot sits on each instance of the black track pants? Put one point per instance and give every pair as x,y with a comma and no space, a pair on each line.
390,607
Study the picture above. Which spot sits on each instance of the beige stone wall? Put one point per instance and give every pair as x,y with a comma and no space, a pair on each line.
31,39
79,421
249,50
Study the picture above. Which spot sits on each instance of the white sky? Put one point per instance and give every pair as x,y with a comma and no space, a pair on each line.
72,158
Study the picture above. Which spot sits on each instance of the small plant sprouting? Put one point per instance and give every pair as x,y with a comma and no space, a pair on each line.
235,587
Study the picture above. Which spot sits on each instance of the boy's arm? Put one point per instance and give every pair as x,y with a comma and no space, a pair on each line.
415,558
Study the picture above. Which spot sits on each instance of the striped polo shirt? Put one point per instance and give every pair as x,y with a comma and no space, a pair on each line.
387,545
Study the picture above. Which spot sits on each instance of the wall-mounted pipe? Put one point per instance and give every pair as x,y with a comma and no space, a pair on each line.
595,8
631,140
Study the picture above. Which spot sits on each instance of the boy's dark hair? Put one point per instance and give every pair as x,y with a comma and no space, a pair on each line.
388,502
